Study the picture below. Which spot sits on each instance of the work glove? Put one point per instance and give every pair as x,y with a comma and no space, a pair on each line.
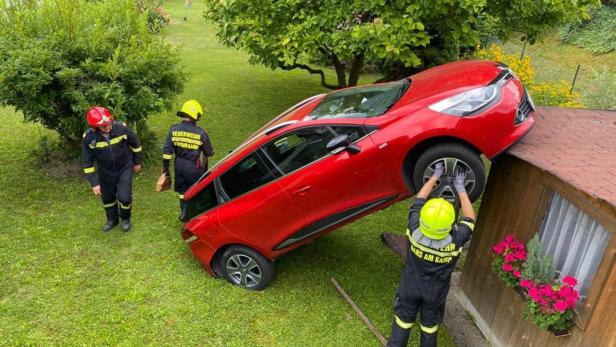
439,170
458,181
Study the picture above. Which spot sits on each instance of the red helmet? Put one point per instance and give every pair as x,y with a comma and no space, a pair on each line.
99,116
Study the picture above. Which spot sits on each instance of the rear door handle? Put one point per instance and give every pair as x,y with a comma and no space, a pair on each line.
302,190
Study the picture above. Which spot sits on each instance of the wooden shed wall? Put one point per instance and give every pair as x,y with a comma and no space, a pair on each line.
515,202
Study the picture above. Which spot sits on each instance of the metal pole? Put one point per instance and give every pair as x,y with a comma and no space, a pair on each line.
575,78
523,49
363,317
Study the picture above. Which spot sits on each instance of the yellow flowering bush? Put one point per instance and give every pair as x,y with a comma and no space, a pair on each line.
547,93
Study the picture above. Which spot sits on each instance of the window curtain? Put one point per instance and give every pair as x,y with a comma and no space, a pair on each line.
575,240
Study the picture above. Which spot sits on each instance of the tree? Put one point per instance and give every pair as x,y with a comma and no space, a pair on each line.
396,35
59,57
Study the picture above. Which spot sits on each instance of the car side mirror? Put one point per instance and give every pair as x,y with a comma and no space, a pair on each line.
340,143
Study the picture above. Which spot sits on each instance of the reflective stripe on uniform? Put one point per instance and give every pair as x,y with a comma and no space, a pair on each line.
402,323
430,250
126,207
429,330
88,170
113,141
186,140
109,204
136,149
181,196
167,156
469,224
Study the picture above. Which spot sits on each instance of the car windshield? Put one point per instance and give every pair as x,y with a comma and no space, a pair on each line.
361,102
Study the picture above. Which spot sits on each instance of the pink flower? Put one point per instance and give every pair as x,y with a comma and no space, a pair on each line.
520,254
546,290
509,238
524,283
507,267
570,281
509,258
517,273
534,294
499,248
561,306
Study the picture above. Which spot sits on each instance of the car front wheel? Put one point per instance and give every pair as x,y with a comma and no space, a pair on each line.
246,268
455,157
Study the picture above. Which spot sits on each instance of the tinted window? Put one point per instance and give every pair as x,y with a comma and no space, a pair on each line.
246,175
300,148
361,102
205,200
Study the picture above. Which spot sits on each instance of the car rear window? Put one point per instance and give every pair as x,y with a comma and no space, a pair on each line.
360,102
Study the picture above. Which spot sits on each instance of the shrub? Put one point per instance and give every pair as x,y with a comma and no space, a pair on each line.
60,57
597,33
551,306
548,93
538,267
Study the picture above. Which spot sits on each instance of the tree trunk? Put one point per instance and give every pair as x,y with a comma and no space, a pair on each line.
358,63
340,71
311,71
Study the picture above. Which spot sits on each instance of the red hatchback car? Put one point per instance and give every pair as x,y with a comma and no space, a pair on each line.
336,157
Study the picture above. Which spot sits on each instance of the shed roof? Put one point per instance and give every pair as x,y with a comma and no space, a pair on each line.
576,145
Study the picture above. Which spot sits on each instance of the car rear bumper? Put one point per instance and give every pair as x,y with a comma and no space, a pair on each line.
201,249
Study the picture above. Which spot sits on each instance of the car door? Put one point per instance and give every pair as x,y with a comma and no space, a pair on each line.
328,187
255,207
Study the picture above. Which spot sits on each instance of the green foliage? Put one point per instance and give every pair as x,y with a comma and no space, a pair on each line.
59,57
597,34
398,36
510,280
538,267
556,321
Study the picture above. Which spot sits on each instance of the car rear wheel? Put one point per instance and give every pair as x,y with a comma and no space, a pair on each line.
246,268
454,156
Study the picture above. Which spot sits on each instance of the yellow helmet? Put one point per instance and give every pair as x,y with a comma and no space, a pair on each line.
192,109
436,218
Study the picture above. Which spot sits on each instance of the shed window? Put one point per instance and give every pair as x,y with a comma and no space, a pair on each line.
575,240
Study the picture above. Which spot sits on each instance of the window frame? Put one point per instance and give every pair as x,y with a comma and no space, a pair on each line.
216,195
588,205
367,132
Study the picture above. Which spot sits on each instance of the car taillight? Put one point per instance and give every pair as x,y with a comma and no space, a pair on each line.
188,236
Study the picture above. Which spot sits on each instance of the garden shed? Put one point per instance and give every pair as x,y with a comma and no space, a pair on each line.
558,182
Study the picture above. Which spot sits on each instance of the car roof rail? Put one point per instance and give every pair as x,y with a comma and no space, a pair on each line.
279,126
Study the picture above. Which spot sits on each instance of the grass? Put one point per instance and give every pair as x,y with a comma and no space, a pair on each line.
64,282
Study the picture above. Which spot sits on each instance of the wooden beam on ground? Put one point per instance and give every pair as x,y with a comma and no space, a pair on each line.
363,317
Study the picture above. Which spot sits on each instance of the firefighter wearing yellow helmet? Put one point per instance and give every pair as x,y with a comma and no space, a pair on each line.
188,143
435,244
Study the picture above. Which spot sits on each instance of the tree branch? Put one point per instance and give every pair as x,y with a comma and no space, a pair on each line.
311,71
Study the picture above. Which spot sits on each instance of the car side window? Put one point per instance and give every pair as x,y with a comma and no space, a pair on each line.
297,149
248,174
204,200
354,132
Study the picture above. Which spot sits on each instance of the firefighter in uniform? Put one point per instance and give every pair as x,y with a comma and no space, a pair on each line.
115,149
187,141
435,244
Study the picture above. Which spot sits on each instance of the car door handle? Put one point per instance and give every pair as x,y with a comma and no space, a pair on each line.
302,190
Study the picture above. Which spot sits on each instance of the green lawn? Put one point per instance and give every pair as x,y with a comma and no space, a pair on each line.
64,282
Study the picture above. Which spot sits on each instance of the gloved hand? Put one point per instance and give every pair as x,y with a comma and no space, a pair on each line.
439,170
458,181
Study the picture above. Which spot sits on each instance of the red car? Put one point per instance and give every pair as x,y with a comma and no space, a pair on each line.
336,157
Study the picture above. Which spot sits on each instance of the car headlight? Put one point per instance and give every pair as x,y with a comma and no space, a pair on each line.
468,102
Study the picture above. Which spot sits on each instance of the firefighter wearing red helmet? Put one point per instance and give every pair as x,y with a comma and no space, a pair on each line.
111,153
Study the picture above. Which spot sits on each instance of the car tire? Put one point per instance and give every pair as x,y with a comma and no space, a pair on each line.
453,155
246,268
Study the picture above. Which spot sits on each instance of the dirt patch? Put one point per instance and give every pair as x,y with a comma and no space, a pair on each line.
59,169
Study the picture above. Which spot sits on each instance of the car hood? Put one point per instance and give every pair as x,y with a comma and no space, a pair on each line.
451,77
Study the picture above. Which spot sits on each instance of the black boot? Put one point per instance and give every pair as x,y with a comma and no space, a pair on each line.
428,340
110,224
126,224
399,336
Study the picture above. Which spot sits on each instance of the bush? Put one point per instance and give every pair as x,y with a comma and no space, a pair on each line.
538,266
60,57
548,93
597,34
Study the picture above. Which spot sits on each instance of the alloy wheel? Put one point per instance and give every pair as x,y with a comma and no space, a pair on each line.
444,186
243,270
